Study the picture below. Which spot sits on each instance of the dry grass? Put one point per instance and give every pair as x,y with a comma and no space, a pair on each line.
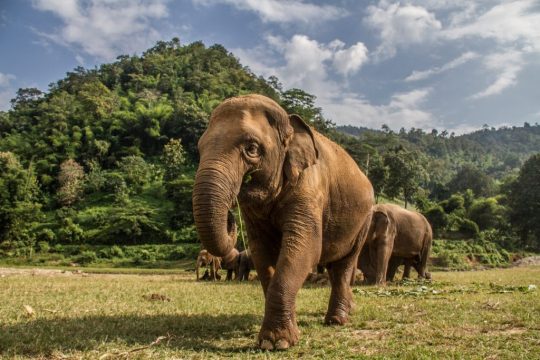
486,314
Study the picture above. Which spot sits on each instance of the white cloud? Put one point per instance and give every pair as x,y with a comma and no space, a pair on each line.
5,79
507,65
303,62
403,110
400,25
105,28
511,23
349,61
284,11
462,59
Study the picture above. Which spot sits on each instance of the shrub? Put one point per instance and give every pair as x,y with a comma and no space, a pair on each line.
452,260
86,257
43,246
437,218
136,171
116,251
46,235
70,232
178,253
143,256
468,228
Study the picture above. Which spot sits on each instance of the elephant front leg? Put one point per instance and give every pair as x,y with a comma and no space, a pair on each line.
279,329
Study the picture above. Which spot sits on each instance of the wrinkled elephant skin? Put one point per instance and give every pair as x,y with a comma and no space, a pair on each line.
303,198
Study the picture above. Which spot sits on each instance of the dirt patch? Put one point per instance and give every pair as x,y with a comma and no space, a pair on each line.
527,261
36,272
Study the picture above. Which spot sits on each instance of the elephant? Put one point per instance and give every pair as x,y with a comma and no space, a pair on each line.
396,236
245,265
229,262
205,259
304,200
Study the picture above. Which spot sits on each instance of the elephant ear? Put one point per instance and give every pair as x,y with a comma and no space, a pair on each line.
302,150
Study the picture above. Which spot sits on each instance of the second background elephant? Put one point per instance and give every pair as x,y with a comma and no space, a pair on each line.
397,236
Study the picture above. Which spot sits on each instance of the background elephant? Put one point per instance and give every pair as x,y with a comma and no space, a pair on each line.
397,236
245,265
303,198
228,262
211,263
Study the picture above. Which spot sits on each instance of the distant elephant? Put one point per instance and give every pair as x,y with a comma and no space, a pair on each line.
205,259
245,265
228,262
397,236
303,198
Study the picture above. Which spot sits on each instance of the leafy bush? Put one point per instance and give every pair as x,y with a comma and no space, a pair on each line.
468,228
137,172
131,224
437,218
43,246
86,257
46,235
452,260
70,232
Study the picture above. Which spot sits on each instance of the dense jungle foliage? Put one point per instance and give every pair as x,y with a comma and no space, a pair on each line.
107,156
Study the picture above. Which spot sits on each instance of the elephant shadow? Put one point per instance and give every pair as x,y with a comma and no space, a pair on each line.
86,333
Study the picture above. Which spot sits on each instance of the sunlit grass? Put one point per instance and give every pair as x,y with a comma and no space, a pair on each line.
485,314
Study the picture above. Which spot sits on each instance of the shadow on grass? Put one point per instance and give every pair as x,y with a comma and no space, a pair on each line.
188,332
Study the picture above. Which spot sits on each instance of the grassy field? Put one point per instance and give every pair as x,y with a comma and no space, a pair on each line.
492,314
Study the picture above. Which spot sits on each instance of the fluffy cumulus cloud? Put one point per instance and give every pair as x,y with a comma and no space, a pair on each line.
424,74
403,110
284,11
304,62
104,28
308,64
400,25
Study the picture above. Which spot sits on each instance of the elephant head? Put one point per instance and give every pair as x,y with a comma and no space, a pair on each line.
251,149
381,227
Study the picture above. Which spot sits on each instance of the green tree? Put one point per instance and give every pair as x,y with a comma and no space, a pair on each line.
470,177
19,209
173,158
524,202
405,174
71,181
378,175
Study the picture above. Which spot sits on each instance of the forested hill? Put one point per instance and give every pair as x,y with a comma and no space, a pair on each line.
494,150
107,155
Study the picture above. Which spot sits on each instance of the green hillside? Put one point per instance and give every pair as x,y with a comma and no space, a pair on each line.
107,156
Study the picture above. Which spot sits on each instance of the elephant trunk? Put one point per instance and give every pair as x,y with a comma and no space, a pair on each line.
213,195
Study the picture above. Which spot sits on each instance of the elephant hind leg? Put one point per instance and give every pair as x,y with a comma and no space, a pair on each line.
422,268
341,301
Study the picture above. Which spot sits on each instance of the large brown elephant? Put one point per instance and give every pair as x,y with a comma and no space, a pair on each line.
304,200
397,236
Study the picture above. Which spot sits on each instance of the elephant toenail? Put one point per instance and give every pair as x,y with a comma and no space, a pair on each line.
266,345
282,344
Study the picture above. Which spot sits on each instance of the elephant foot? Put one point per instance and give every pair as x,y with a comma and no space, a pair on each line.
279,339
336,319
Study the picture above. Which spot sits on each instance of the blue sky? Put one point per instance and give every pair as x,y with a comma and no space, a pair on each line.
445,64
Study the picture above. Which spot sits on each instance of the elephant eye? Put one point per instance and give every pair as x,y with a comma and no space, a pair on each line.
252,150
